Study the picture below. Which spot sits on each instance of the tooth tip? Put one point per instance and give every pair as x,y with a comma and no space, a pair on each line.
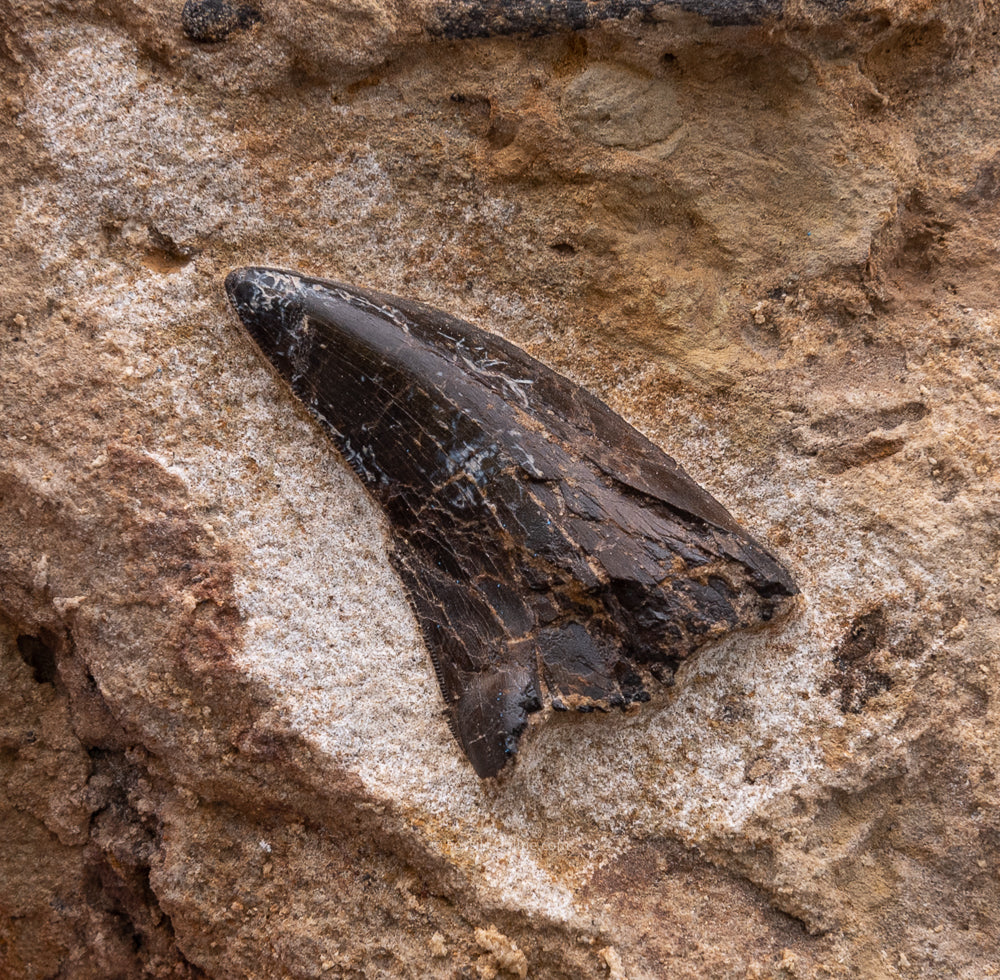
234,278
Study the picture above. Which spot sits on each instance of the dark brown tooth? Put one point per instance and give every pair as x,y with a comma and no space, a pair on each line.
552,554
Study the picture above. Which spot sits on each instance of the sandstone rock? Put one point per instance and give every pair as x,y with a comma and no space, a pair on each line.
770,246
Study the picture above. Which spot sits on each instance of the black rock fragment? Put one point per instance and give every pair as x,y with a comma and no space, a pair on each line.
207,21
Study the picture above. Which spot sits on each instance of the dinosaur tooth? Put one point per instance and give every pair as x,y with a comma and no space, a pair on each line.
553,556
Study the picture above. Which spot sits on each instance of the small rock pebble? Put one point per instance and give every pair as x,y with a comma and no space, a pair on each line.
215,20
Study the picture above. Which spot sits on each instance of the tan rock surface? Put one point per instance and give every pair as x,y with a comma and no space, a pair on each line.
772,248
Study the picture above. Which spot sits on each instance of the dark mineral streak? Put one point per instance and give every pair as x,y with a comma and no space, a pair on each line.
552,554
489,18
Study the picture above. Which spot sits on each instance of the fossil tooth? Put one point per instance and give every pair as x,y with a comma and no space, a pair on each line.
552,554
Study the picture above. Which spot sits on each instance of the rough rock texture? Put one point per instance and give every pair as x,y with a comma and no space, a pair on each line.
772,247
